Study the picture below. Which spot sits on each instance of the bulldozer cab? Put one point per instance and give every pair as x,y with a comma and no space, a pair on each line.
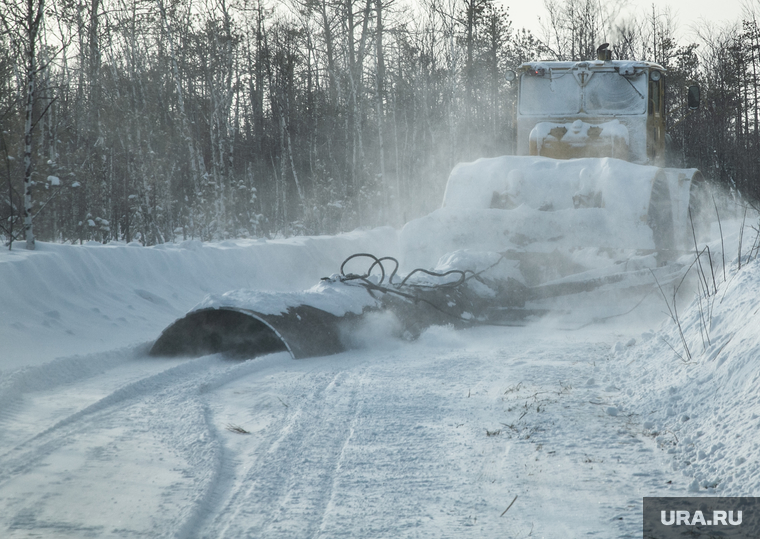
592,109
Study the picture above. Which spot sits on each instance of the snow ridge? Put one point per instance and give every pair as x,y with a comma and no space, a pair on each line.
703,407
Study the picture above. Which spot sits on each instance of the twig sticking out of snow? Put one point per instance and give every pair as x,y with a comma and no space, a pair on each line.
673,311
510,505
236,428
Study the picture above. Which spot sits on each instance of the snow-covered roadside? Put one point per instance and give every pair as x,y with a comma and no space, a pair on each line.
703,406
69,299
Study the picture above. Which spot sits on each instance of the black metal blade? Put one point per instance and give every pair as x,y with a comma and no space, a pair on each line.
303,331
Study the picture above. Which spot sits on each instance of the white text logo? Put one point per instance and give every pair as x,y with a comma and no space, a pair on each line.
684,518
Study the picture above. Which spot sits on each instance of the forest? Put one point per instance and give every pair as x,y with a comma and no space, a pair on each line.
158,121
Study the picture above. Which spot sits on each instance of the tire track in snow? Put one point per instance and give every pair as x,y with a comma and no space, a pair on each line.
394,448
222,463
289,488
132,390
360,457
170,405
335,487
55,374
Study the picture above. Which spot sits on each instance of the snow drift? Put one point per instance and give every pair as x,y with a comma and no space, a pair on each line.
695,387
64,299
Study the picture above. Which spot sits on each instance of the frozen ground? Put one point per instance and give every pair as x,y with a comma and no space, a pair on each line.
555,429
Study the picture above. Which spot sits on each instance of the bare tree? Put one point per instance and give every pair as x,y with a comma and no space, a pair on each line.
23,21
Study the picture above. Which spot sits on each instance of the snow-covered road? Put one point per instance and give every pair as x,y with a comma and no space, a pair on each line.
427,439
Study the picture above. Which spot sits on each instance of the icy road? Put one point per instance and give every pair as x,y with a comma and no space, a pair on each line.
538,431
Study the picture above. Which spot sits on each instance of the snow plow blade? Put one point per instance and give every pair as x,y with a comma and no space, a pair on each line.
303,331
540,206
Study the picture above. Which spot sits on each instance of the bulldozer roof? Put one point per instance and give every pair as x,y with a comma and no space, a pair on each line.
589,64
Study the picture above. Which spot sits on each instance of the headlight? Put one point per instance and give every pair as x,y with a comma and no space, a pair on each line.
655,75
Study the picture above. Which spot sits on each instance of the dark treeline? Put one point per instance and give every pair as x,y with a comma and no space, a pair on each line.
162,120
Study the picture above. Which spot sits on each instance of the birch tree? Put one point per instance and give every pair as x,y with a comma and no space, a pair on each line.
23,22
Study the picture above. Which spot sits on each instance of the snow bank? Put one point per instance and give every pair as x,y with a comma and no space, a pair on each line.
703,405
66,299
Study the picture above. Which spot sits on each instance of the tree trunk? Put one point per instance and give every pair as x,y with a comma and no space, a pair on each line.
380,74
33,22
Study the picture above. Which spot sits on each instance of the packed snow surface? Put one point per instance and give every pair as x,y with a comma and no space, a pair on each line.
557,428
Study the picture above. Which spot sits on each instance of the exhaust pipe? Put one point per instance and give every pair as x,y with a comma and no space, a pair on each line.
603,53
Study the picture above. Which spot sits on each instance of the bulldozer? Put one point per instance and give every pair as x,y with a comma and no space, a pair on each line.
589,136
586,203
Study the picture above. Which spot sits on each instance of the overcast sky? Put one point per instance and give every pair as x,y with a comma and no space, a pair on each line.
525,13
